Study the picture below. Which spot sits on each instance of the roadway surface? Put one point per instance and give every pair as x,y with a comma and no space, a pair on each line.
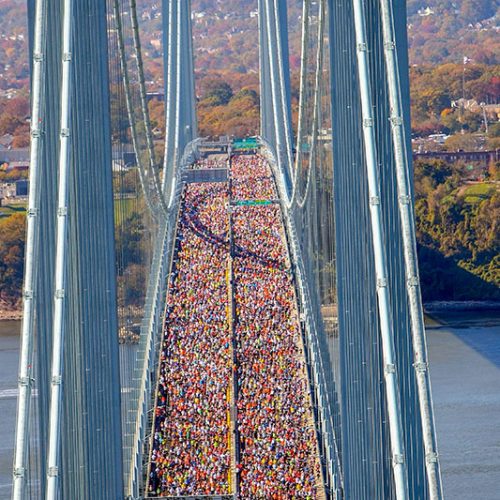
233,409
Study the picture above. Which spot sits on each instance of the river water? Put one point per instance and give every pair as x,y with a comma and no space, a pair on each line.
465,373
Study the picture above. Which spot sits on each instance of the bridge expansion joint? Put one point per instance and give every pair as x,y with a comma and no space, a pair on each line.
60,294
362,47
28,294
389,45
398,459
56,380
381,283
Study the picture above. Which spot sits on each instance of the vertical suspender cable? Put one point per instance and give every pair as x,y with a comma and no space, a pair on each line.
53,453
303,83
316,103
31,257
144,104
386,328
302,99
128,99
410,254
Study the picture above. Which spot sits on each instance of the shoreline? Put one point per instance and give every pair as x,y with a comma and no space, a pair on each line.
461,306
438,314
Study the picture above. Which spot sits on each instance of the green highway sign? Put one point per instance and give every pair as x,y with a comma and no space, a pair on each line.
246,203
248,143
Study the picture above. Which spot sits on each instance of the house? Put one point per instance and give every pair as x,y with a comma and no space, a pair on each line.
425,12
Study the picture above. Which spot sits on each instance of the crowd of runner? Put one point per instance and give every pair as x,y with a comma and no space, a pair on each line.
190,452
250,179
191,446
278,446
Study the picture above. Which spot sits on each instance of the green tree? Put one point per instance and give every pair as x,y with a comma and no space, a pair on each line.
217,92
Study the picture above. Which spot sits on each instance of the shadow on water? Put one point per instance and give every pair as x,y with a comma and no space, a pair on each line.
478,329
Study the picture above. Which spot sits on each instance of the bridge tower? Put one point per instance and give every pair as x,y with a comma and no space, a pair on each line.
275,104
69,299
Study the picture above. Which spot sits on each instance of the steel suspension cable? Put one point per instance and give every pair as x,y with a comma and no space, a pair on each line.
128,100
25,378
315,121
302,94
405,206
178,67
399,462
144,105
169,108
317,83
60,299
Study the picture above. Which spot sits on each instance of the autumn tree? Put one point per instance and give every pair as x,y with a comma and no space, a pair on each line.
216,92
12,242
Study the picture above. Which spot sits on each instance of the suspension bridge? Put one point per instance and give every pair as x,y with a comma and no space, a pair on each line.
235,319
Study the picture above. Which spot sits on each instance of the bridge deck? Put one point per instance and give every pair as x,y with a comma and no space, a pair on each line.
233,412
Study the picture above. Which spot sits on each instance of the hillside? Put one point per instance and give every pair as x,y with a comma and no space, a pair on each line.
226,34
448,30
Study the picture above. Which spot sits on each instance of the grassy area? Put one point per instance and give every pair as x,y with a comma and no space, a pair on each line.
11,209
124,208
479,192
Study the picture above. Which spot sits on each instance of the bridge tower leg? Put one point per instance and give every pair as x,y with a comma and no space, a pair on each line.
180,99
85,423
371,233
276,122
